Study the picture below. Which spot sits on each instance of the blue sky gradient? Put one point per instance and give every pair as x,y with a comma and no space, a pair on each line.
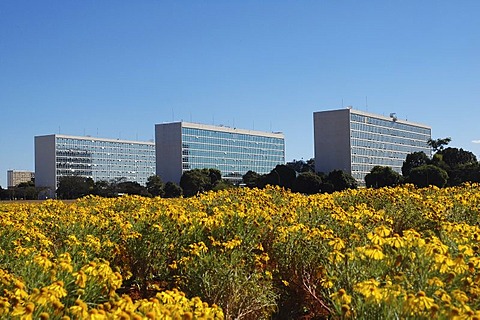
115,68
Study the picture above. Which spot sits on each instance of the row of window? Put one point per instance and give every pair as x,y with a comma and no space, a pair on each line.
274,154
388,138
389,124
230,169
220,143
229,135
232,148
393,133
383,143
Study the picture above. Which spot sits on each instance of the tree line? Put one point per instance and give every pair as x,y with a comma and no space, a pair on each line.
447,167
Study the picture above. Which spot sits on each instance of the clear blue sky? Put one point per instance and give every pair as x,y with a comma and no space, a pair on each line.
115,68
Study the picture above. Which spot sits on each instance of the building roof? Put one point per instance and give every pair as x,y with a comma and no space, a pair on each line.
223,128
99,139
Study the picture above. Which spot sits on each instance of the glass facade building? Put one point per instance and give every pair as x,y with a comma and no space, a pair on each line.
356,141
183,146
100,159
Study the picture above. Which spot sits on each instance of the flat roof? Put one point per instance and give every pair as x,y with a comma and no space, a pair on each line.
374,115
227,129
97,139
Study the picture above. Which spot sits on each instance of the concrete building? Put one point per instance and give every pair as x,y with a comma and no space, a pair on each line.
356,141
97,158
15,177
182,146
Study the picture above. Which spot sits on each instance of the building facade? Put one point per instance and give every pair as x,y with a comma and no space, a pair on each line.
15,177
355,141
182,146
57,156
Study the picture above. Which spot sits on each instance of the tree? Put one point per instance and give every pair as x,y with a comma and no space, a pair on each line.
414,160
132,188
380,177
155,186
455,158
199,180
302,166
308,183
222,185
3,194
250,179
426,175
438,144
26,190
465,173
172,190
340,180
282,176
104,188
73,187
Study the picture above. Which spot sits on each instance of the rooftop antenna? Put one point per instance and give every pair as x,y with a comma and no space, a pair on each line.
366,103
173,115
342,103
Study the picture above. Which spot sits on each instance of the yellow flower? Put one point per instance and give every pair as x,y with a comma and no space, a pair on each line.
419,303
369,289
395,241
57,289
374,252
460,296
435,281
382,231
341,297
81,280
337,243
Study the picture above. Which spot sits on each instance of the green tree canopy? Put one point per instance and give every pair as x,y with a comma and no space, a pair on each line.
172,190
414,160
132,188
381,176
308,183
341,180
155,186
302,166
455,158
438,144
199,180
104,188
250,179
73,187
426,175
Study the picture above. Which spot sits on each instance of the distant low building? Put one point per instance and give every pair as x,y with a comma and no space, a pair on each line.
57,156
15,177
355,141
182,146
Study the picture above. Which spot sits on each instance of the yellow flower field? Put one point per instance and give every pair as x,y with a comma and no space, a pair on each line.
393,253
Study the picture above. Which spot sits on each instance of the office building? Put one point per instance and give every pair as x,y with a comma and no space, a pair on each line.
57,156
182,146
15,177
356,141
